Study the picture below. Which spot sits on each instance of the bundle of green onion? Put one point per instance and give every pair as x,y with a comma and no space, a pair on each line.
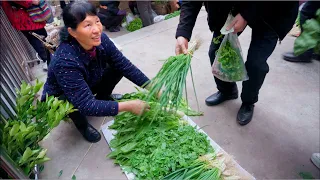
171,79
206,167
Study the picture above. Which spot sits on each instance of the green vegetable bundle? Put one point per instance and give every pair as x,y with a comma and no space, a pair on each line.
206,167
20,136
151,148
134,25
228,64
171,15
183,105
310,37
171,79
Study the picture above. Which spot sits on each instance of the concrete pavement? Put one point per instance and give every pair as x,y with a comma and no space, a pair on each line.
278,143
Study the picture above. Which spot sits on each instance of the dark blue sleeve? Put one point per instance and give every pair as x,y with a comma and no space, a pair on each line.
69,75
122,64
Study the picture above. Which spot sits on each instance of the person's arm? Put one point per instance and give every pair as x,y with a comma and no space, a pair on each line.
249,10
188,16
70,78
122,64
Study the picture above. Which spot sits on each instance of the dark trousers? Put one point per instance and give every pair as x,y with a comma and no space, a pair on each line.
263,42
145,10
308,11
103,90
133,5
37,44
110,21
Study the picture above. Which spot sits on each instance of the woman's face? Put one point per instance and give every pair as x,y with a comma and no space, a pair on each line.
88,32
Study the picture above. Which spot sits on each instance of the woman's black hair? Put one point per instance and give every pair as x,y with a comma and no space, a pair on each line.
73,14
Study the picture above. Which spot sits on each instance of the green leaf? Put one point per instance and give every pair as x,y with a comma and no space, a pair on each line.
23,99
112,154
37,87
25,88
309,38
40,161
36,151
26,170
23,126
74,177
14,129
306,175
26,155
32,134
60,173
128,147
42,154
41,168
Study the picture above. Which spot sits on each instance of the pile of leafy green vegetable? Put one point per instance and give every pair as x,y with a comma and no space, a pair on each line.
134,25
310,36
171,15
231,65
152,147
20,136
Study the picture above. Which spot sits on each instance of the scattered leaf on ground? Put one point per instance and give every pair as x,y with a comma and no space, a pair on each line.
60,173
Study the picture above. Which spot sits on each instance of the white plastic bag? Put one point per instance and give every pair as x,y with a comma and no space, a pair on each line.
228,64
130,17
159,18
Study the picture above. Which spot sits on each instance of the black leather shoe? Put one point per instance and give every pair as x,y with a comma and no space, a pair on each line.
245,114
91,134
218,98
305,57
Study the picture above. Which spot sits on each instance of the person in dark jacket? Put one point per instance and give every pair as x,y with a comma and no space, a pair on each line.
270,22
85,69
308,11
110,15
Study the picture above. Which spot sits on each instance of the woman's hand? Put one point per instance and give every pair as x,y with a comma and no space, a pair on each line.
134,106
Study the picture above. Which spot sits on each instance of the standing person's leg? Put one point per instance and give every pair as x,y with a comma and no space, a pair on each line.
45,55
227,90
37,44
150,12
263,43
308,11
144,13
131,6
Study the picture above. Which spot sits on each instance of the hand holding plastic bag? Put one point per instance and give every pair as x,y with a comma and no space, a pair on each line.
228,64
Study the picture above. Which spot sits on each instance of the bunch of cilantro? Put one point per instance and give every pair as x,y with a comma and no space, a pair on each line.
152,147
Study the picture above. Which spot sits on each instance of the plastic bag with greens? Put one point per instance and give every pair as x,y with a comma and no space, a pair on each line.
228,64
